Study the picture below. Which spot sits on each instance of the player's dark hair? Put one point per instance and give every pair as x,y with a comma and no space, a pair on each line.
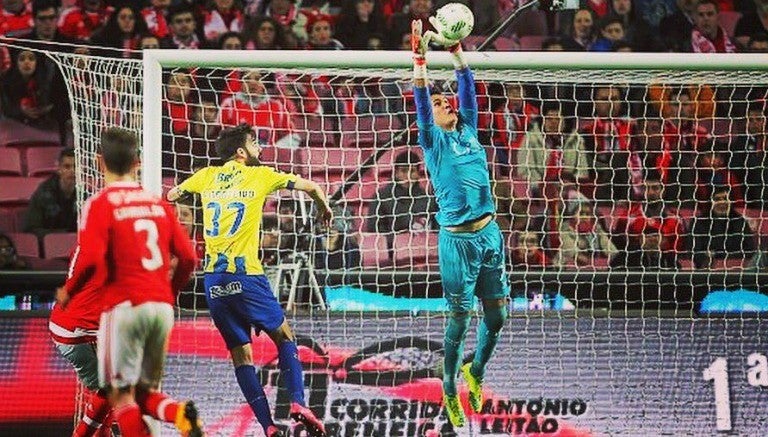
67,152
119,149
231,139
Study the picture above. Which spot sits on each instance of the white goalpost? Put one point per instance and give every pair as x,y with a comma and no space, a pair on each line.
606,334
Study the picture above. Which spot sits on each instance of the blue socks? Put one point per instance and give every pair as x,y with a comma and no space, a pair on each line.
254,394
291,371
487,337
458,323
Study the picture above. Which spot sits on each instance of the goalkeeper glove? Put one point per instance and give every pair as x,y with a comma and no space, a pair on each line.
419,48
452,45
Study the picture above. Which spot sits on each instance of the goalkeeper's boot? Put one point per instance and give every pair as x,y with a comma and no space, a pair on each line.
188,420
454,410
273,431
475,388
305,416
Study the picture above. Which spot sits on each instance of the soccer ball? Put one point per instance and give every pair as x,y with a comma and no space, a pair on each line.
455,21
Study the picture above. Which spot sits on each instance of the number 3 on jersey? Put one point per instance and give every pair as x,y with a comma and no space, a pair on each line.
239,208
155,261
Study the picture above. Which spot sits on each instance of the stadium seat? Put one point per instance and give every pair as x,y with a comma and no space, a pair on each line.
504,44
339,163
17,134
728,20
26,244
531,42
59,245
415,249
373,250
10,162
42,161
283,159
316,130
7,220
16,191
365,131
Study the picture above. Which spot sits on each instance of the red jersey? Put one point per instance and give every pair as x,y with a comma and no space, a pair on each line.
79,320
11,23
670,226
132,234
510,125
79,23
267,115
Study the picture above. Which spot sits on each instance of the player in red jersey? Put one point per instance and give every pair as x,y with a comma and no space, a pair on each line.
73,330
131,235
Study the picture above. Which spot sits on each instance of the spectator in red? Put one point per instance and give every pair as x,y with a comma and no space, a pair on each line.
320,33
708,36
80,22
183,29
178,105
155,17
551,152
528,251
299,94
15,18
358,21
185,210
721,232
253,105
645,222
27,91
264,33
391,7
601,8
400,23
608,139
675,29
511,120
581,33
122,31
225,16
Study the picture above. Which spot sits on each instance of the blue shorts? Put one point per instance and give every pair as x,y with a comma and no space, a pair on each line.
472,264
240,302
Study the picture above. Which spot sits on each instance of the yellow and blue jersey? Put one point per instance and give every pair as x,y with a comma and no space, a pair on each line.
233,198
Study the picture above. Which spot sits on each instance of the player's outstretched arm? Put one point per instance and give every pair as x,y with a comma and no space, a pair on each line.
324,213
424,117
464,76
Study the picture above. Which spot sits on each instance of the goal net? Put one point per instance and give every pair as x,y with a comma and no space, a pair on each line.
628,187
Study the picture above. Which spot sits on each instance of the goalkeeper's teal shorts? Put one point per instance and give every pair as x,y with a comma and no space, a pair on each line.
472,264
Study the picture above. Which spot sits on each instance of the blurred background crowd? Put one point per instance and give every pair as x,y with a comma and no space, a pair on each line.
587,175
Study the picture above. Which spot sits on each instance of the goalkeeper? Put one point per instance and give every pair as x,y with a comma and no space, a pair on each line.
470,245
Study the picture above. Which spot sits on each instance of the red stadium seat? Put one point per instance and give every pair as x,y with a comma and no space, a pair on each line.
332,164
16,191
10,162
59,245
531,22
7,220
508,44
26,244
42,161
315,130
531,42
373,250
17,134
415,249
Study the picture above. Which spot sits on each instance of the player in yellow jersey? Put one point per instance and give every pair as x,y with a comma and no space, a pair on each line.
238,294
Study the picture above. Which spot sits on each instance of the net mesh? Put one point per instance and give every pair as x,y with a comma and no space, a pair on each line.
616,190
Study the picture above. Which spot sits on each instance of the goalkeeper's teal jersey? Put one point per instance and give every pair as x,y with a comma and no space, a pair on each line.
456,161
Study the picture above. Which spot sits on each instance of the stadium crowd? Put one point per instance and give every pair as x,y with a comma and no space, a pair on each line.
586,176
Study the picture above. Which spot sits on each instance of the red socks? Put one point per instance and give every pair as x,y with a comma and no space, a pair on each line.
128,418
96,411
158,405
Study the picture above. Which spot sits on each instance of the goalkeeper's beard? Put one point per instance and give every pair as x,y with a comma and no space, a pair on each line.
252,160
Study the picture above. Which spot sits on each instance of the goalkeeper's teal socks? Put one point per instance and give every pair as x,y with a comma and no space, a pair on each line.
455,332
254,394
291,371
487,336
